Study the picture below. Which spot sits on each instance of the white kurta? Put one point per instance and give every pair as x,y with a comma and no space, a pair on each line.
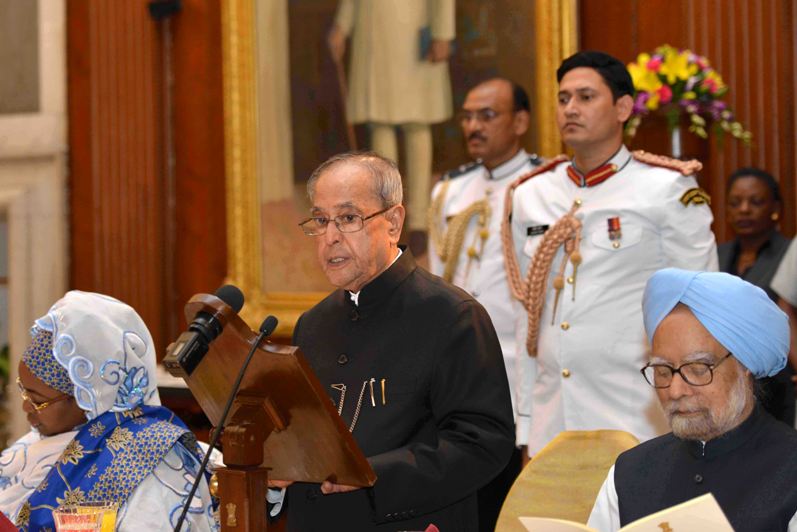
485,278
586,373
388,81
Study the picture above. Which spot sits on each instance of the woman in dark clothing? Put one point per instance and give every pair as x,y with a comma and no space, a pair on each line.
754,208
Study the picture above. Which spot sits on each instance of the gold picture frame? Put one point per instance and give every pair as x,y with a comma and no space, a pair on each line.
556,31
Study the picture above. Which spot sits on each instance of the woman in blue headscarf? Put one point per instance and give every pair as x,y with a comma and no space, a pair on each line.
98,432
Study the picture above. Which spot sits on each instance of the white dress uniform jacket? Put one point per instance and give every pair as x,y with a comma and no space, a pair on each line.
586,372
485,278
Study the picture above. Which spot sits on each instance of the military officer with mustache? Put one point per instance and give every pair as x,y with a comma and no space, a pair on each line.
465,222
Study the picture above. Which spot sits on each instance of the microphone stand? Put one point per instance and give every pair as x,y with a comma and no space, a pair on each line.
266,328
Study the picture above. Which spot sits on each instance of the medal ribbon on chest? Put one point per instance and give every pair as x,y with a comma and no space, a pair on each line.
615,232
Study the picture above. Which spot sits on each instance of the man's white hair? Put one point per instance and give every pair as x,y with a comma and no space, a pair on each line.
386,177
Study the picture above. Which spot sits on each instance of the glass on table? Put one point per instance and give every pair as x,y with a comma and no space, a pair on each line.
86,516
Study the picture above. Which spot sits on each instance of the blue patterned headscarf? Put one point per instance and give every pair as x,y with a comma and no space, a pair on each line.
98,349
39,359
739,315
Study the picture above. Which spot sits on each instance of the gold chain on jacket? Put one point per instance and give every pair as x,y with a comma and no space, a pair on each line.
565,233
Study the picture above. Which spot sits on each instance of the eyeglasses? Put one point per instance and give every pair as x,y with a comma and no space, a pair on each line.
694,373
346,223
482,116
39,406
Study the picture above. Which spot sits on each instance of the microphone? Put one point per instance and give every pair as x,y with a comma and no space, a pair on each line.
185,354
266,328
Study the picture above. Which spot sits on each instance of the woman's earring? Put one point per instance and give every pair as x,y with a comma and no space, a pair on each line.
775,217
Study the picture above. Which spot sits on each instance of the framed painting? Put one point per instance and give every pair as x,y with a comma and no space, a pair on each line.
284,114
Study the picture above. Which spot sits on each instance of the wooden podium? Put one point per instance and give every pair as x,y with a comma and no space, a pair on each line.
282,423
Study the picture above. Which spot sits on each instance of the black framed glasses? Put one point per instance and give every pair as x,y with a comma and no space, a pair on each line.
346,223
36,405
693,373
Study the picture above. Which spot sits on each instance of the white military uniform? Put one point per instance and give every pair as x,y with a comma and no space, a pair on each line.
586,372
485,278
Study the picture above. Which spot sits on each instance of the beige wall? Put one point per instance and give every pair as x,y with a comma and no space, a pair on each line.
19,56
32,185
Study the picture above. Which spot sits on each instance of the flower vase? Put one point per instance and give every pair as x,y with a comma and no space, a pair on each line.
676,149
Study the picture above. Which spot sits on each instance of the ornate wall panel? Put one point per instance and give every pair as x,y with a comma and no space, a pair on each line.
117,155
147,156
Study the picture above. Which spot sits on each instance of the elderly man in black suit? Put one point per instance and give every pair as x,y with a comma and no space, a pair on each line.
412,363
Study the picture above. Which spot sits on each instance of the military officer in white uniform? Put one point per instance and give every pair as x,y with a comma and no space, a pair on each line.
585,235
465,228
465,220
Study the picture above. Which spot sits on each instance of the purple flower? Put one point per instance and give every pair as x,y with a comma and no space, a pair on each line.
716,108
639,103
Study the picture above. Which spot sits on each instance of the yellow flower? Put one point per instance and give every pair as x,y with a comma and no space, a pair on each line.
689,95
644,79
653,102
676,66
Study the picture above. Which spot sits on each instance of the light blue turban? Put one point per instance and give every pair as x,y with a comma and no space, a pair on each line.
739,315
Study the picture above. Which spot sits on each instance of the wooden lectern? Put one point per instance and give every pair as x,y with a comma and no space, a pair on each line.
282,423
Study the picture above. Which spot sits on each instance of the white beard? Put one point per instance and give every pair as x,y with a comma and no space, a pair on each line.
710,424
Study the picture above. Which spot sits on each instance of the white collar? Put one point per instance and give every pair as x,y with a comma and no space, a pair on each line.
355,296
509,167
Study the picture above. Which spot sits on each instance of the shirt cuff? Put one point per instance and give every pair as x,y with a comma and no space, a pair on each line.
276,497
522,427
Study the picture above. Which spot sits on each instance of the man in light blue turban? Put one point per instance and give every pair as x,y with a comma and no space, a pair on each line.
712,335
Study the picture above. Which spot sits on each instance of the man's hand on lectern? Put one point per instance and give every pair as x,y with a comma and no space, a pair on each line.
328,488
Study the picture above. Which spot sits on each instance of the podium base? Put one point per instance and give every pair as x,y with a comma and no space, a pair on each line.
243,499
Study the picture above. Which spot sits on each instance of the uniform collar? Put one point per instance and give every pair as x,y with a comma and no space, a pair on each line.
509,167
615,164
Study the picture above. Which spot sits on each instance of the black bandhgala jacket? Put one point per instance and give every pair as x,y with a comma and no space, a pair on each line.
445,428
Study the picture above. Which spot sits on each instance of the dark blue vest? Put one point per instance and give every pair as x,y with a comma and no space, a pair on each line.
751,471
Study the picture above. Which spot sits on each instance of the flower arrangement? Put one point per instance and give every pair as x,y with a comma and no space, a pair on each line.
676,81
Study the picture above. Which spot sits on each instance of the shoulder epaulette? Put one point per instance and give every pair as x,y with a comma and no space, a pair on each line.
549,165
461,170
690,167
536,160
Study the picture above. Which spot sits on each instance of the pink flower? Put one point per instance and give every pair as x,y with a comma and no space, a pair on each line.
665,94
711,85
655,63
